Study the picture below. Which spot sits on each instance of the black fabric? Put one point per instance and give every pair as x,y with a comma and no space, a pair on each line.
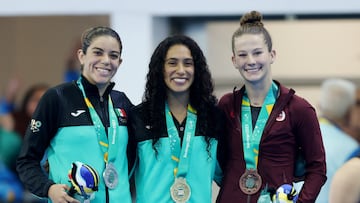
60,102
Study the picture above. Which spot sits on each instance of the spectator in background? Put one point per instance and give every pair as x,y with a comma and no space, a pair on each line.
72,69
11,189
10,143
22,116
7,103
337,98
355,117
354,130
6,121
345,185
17,118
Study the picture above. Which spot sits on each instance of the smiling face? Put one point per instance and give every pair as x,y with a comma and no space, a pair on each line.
252,57
178,69
101,60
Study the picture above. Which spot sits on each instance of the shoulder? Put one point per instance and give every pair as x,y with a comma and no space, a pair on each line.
226,99
297,102
138,109
137,113
121,100
139,126
64,89
60,92
343,184
300,102
351,167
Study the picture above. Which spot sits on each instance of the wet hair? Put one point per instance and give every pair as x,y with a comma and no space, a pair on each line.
90,34
201,90
251,23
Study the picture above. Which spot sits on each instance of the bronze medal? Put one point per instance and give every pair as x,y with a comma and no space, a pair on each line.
250,182
180,191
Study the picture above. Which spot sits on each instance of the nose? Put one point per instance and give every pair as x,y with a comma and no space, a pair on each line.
105,59
180,69
250,60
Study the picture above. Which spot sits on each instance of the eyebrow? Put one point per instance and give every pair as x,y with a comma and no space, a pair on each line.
168,59
97,48
256,49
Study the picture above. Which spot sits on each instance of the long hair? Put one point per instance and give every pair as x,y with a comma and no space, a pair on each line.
201,90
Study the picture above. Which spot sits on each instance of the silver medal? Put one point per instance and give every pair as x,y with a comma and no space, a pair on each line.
110,176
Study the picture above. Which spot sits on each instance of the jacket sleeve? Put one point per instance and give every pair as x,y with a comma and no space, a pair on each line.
307,129
42,128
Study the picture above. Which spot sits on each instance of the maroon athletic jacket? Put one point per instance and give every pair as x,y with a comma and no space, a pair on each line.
278,147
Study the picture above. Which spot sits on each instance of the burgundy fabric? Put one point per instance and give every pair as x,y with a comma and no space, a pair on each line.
278,147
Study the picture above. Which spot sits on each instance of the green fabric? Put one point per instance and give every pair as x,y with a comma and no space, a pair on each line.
154,174
181,154
10,143
252,136
68,146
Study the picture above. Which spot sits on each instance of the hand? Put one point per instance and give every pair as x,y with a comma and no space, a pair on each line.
58,194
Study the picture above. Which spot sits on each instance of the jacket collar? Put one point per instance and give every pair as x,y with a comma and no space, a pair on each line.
92,90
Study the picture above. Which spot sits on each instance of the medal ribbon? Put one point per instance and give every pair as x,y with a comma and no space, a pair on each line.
184,152
251,138
108,148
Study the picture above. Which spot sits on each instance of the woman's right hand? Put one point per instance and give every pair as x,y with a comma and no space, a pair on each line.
58,194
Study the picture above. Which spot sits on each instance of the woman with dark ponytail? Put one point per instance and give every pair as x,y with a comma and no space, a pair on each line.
82,128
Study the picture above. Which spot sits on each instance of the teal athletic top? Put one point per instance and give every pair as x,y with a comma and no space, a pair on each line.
62,128
154,172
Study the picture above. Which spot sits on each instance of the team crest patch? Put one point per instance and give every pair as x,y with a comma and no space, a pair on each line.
281,116
121,114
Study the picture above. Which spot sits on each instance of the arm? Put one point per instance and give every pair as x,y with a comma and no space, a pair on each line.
306,127
222,153
43,127
345,186
38,135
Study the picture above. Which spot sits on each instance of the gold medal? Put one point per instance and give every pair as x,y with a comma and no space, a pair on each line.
180,191
250,182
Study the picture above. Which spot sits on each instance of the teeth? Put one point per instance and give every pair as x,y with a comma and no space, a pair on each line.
179,80
253,70
103,70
